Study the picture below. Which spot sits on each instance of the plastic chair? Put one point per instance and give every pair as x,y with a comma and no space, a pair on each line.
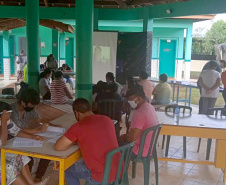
122,173
215,111
171,108
152,150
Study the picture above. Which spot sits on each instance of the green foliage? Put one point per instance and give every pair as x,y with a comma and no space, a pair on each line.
216,35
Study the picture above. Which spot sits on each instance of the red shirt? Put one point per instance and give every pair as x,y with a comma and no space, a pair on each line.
96,137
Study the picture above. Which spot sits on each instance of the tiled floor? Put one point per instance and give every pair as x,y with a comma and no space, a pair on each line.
170,173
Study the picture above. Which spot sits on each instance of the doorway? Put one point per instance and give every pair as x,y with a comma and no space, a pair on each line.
167,57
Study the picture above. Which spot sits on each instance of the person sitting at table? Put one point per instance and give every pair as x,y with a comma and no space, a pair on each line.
143,118
162,91
68,78
44,84
95,135
130,82
59,91
25,116
147,84
111,79
17,169
209,80
97,90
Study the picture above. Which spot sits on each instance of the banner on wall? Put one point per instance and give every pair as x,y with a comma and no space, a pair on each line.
104,54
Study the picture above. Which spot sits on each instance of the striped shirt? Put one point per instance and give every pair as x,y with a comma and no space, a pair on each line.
57,89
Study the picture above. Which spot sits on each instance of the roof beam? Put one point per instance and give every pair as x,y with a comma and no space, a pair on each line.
153,2
46,3
122,4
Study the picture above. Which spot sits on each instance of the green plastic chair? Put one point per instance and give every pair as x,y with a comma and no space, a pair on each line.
146,160
122,173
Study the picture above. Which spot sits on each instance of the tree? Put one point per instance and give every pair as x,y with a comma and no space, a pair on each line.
216,35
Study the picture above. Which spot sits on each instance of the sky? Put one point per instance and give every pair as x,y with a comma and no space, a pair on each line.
206,25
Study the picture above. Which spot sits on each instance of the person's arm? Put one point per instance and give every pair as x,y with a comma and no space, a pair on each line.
216,85
4,134
200,82
40,129
68,94
133,134
62,144
154,91
29,136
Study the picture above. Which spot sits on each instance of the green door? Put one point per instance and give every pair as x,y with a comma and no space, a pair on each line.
1,55
12,53
70,52
167,57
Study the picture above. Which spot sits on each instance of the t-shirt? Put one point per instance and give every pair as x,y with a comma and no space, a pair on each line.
162,93
25,74
209,78
223,78
144,117
27,120
21,61
43,83
52,64
147,87
67,69
57,90
206,66
96,138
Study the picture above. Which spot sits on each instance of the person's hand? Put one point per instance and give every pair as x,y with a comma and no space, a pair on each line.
5,116
37,138
43,128
208,91
121,138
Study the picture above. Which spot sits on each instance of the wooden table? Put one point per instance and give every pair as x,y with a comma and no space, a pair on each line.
65,158
200,126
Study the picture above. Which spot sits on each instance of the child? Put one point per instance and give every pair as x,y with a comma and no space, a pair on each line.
17,170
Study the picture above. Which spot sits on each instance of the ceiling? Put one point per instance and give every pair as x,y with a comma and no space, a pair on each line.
123,4
8,24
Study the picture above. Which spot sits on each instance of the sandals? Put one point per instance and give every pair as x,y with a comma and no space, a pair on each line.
44,181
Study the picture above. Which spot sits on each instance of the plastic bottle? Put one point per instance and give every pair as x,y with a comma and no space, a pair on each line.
176,115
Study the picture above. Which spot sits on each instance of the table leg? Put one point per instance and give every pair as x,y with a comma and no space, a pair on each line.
189,97
186,94
178,89
3,172
173,91
61,173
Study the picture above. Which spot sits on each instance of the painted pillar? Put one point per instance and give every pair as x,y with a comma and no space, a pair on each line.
84,48
147,21
188,50
62,48
6,56
55,44
96,20
33,45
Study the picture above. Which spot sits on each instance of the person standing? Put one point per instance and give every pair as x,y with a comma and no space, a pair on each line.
148,86
223,78
209,80
21,61
51,63
111,79
219,66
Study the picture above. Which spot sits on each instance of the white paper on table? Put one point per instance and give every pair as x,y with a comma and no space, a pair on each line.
54,140
52,132
24,142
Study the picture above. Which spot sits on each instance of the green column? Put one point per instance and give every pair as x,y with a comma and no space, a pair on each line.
62,46
33,45
96,20
147,21
55,44
84,48
6,56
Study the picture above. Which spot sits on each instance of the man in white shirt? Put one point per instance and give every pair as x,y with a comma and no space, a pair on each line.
21,61
209,80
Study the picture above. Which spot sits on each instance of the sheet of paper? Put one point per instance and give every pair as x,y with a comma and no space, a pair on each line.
49,134
24,142
54,140
56,129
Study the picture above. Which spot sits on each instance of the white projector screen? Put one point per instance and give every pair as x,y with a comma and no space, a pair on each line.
104,54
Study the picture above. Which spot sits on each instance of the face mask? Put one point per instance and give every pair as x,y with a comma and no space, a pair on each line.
28,109
133,104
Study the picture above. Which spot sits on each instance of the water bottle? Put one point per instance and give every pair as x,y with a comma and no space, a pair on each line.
176,115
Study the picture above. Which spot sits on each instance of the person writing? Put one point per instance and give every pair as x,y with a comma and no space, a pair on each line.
95,135
17,170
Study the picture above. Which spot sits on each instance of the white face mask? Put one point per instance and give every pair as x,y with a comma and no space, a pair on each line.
133,104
